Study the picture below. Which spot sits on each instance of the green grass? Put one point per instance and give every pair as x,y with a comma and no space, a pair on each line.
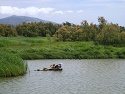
11,65
42,48
14,49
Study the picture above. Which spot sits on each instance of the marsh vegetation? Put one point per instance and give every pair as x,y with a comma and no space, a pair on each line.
11,65
44,48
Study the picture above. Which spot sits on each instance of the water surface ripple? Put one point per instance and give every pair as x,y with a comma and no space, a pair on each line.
92,76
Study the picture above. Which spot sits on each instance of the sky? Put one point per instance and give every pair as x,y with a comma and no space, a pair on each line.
73,11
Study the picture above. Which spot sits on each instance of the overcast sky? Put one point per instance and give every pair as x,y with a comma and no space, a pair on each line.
73,11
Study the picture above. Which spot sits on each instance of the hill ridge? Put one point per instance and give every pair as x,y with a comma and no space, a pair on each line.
15,20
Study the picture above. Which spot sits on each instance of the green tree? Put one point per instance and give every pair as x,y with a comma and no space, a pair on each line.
84,23
102,22
86,30
93,32
67,23
62,33
7,30
109,35
122,38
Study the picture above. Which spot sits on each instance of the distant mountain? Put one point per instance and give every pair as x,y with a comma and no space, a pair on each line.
15,20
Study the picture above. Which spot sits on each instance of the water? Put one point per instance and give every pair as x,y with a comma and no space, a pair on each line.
94,76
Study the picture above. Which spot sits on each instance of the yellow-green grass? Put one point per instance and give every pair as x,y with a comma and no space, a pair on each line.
11,65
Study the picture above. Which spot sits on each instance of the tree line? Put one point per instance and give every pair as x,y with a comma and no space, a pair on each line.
32,29
104,33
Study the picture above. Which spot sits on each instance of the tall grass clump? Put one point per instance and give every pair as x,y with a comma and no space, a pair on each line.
11,65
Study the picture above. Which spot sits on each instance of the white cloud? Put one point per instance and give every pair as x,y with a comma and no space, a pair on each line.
79,11
30,11
69,11
24,11
63,12
58,12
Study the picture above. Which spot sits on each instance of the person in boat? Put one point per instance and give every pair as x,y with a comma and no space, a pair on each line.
52,66
56,67
59,66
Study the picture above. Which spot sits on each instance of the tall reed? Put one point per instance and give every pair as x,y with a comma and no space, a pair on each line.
11,65
42,48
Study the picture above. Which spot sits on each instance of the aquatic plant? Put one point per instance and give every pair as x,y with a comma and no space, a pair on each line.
11,65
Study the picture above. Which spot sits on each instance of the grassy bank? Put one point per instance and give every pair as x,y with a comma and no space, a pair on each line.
43,48
11,65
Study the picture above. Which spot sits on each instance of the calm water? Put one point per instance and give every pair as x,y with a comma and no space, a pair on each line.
94,76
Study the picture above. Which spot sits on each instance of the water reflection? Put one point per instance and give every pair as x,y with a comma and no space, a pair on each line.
94,76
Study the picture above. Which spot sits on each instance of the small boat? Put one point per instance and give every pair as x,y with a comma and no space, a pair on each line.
52,68
55,69
47,69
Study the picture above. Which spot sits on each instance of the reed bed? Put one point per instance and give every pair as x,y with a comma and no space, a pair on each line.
42,48
11,65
